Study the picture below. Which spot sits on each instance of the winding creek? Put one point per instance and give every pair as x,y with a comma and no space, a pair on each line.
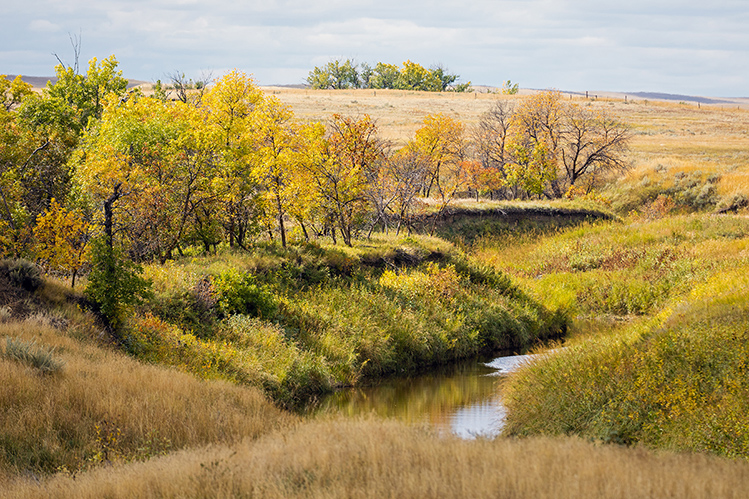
464,399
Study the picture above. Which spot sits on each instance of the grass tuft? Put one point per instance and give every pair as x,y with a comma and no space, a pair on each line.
38,357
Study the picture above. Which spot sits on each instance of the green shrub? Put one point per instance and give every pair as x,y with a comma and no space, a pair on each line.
734,203
239,293
114,282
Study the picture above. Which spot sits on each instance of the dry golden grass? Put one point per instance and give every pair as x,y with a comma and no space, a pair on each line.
398,113
346,458
105,406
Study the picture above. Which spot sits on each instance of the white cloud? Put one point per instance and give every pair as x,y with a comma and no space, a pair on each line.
43,26
678,45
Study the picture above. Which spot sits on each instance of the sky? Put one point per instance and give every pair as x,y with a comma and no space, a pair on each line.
689,47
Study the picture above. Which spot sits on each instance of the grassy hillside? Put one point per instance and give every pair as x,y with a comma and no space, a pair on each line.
662,321
386,459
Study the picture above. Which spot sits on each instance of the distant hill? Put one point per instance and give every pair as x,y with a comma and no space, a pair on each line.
41,81
679,98
661,96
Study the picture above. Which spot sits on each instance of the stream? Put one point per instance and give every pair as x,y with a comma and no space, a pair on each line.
464,399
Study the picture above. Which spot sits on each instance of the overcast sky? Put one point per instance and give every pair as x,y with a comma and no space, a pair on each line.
692,47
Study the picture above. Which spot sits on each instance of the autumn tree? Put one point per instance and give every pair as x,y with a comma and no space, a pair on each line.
155,162
441,143
481,179
491,139
177,180
533,165
13,92
447,80
594,144
340,165
229,106
62,240
394,192
544,145
17,150
84,94
112,170
39,133
336,74
384,76
414,76
276,158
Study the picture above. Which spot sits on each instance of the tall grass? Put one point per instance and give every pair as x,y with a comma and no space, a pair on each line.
620,268
30,353
387,459
104,406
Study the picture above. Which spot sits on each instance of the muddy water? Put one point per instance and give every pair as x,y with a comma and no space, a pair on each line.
464,399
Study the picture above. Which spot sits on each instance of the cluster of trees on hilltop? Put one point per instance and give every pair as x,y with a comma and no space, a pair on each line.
338,74
92,176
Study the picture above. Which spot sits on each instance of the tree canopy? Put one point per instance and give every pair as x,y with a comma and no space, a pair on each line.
337,74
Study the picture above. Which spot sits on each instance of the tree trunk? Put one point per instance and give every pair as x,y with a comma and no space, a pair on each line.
281,226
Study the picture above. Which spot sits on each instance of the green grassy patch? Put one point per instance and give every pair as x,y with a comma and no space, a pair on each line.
302,320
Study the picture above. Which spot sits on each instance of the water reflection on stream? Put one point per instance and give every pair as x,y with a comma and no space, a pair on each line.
464,399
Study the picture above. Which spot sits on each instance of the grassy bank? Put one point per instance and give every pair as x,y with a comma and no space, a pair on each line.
670,372
300,321
466,220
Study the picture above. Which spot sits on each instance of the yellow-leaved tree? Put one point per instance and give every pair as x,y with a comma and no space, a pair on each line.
229,106
339,165
534,142
62,240
441,143
276,161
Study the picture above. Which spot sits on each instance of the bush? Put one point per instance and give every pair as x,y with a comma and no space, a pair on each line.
29,353
734,203
23,274
239,293
114,282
